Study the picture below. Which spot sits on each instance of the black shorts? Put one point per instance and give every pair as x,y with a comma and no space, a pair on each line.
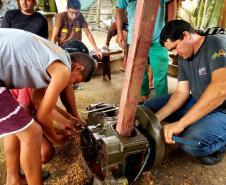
124,28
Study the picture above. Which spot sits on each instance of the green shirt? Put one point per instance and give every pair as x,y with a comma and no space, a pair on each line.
130,5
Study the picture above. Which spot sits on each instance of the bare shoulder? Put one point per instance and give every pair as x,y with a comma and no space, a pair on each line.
58,68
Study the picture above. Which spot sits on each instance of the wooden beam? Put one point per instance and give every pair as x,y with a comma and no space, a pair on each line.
223,16
146,12
98,14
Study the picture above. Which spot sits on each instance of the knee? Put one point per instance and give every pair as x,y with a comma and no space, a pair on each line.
151,105
47,153
194,150
199,148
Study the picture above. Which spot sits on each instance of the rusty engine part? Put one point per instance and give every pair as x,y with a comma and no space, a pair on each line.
113,159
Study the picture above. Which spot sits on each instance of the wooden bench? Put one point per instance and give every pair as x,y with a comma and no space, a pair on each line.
106,62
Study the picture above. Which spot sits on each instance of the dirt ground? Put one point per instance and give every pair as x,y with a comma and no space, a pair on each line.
177,168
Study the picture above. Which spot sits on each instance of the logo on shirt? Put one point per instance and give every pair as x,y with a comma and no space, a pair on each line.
219,54
64,30
202,71
77,29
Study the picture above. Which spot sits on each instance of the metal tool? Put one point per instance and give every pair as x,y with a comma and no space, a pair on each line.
186,141
100,107
116,108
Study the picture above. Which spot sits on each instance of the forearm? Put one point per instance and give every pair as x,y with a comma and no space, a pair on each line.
68,99
58,116
53,39
54,34
175,102
51,124
54,137
119,21
63,112
37,98
213,97
92,41
171,10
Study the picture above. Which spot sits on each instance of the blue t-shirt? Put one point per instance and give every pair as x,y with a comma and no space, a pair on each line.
130,5
197,70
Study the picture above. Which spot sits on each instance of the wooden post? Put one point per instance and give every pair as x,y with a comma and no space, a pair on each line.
223,16
146,12
98,13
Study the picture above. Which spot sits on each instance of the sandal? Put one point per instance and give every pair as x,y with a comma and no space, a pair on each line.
122,69
77,87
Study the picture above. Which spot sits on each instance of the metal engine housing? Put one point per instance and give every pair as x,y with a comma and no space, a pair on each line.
111,158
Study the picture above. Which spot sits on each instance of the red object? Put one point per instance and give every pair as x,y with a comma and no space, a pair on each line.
146,12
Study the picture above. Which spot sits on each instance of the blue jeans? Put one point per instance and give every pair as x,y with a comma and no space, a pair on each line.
210,130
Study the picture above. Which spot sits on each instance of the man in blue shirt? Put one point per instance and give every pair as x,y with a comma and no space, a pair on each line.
196,110
158,56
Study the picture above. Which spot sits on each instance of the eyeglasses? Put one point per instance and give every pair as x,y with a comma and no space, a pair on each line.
74,12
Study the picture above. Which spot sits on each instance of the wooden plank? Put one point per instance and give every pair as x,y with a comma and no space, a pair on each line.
106,62
146,12
110,51
223,16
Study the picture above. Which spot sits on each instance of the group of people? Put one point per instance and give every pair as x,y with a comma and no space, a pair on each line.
34,72
196,111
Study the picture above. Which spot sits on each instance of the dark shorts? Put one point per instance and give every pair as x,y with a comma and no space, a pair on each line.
13,117
124,28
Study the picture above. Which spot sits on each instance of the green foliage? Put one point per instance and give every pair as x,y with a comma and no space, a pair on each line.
113,2
52,6
201,13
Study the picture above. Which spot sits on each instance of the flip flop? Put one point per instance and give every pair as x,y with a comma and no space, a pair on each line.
122,69
78,87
